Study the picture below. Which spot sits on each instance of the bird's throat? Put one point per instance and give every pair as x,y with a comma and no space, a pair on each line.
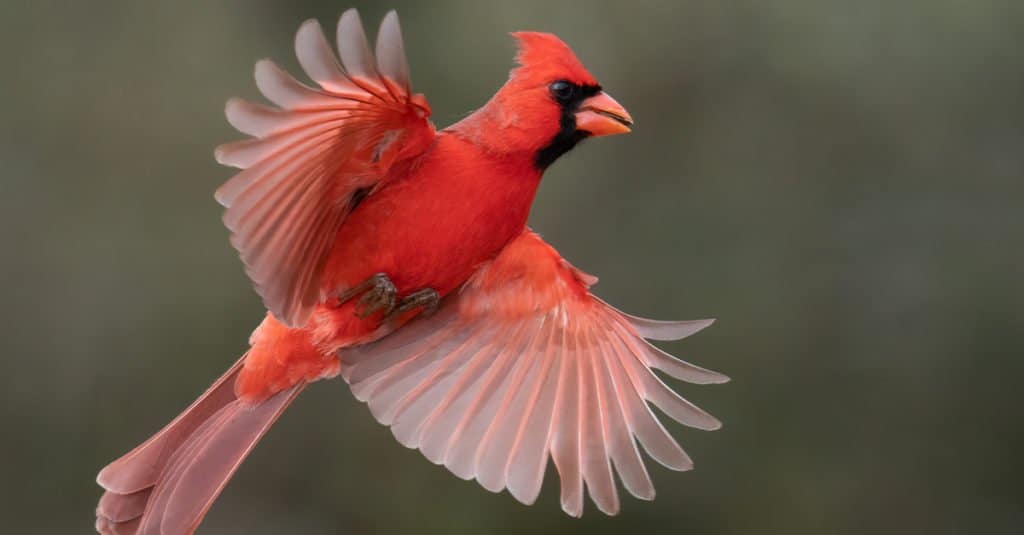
564,141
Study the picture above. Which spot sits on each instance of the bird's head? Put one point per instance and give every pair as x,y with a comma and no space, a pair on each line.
550,102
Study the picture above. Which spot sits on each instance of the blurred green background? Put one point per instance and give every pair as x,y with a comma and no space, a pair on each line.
840,183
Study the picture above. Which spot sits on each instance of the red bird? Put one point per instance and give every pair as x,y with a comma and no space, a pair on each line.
398,257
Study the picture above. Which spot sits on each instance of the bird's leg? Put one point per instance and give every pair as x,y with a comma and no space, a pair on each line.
427,300
379,294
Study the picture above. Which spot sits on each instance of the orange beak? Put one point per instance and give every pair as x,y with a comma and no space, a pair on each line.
600,115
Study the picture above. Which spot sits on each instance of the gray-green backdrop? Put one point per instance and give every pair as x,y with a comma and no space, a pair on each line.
840,183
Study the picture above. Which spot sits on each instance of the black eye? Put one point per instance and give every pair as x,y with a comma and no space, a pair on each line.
562,91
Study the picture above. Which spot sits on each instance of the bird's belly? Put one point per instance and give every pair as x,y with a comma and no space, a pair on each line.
421,248
429,253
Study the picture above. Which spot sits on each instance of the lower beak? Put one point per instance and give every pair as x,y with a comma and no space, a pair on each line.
600,115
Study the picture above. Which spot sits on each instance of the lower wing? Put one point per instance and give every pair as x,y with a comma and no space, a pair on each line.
524,363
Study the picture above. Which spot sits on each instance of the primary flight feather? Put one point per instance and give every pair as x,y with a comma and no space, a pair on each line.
398,257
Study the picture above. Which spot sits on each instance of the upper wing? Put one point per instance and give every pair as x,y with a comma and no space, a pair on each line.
315,155
523,363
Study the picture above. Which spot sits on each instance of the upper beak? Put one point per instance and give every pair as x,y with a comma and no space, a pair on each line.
600,115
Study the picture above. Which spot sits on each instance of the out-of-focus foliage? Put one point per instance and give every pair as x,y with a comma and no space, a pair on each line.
840,183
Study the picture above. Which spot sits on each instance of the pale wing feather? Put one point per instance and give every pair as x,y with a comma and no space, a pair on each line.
658,393
595,462
678,369
530,455
288,93
462,457
565,447
388,399
419,402
318,61
391,51
622,447
494,449
444,420
353,47
650,432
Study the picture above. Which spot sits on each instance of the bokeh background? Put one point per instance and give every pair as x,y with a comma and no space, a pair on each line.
840,183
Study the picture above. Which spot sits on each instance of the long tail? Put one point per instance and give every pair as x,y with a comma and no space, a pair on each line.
166,485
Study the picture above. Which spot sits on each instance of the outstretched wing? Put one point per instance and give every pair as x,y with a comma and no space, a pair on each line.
524,363
315,155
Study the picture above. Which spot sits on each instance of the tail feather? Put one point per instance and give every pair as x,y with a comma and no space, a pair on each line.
167,484
139,469
123,507
107,527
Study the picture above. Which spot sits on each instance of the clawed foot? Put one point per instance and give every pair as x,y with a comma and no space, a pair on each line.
380,295
427,300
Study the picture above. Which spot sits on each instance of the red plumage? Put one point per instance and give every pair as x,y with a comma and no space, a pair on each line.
349,180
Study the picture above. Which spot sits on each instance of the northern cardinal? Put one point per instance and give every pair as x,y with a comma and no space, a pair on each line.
398,257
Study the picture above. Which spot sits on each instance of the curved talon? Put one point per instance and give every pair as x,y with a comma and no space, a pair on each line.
379,295
426,299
